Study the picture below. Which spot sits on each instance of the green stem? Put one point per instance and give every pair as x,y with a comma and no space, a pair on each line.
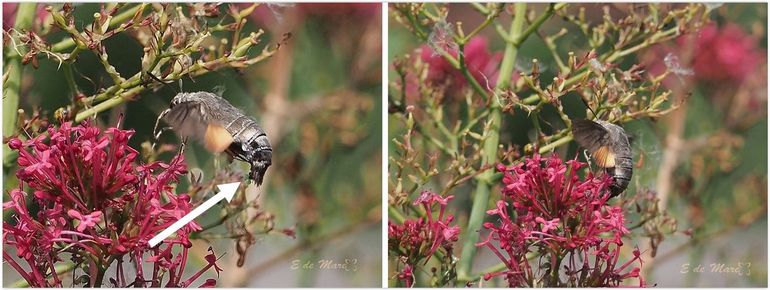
484,185
536,123
440,145
11,88
11,96
394,215
551,45
555,271
457,63
60,269
133,86
114,101
491,16
554,144
493,269
116,21
536,24
69,76
480,8
24,18
583,72
466,73
100,276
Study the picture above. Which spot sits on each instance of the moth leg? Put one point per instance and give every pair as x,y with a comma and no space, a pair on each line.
217,163
183,145
196,176
155,132
155,141
588,160
236,155
157,122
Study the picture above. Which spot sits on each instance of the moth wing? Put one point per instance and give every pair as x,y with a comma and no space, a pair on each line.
590,135
596,139
191,119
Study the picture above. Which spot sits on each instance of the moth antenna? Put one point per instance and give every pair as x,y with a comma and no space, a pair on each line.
120,120
152,76
582,99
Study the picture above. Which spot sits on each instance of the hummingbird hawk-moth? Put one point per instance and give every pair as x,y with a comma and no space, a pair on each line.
221,127
609,147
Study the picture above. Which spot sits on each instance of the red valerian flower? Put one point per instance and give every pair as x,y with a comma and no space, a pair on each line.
482,65
10,10
407,276
718,54
86,221
548,211
480,62
725,59
439,231
210,283
94,203
418,239
725,53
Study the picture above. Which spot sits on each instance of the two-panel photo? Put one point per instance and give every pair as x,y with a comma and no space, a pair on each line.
384,145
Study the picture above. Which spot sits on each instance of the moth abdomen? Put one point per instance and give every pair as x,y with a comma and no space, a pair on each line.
621,178
252,145
622,173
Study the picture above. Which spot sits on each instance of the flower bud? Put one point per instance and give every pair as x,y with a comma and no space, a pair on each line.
15,143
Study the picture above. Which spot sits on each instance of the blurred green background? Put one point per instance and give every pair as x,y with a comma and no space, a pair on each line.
718,185
318,99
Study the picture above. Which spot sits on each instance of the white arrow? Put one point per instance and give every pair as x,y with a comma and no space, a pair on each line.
226,191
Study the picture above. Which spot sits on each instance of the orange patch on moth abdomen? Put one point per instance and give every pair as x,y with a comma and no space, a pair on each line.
217,139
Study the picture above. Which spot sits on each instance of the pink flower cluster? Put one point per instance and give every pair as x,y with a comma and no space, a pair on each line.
725,53
483,65
9,14
418,239
548,212
84,196
718,55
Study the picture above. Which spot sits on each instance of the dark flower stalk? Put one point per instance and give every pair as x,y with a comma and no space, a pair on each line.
93,201
548,212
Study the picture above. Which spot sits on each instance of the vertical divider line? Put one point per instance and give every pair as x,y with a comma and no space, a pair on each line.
384,54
